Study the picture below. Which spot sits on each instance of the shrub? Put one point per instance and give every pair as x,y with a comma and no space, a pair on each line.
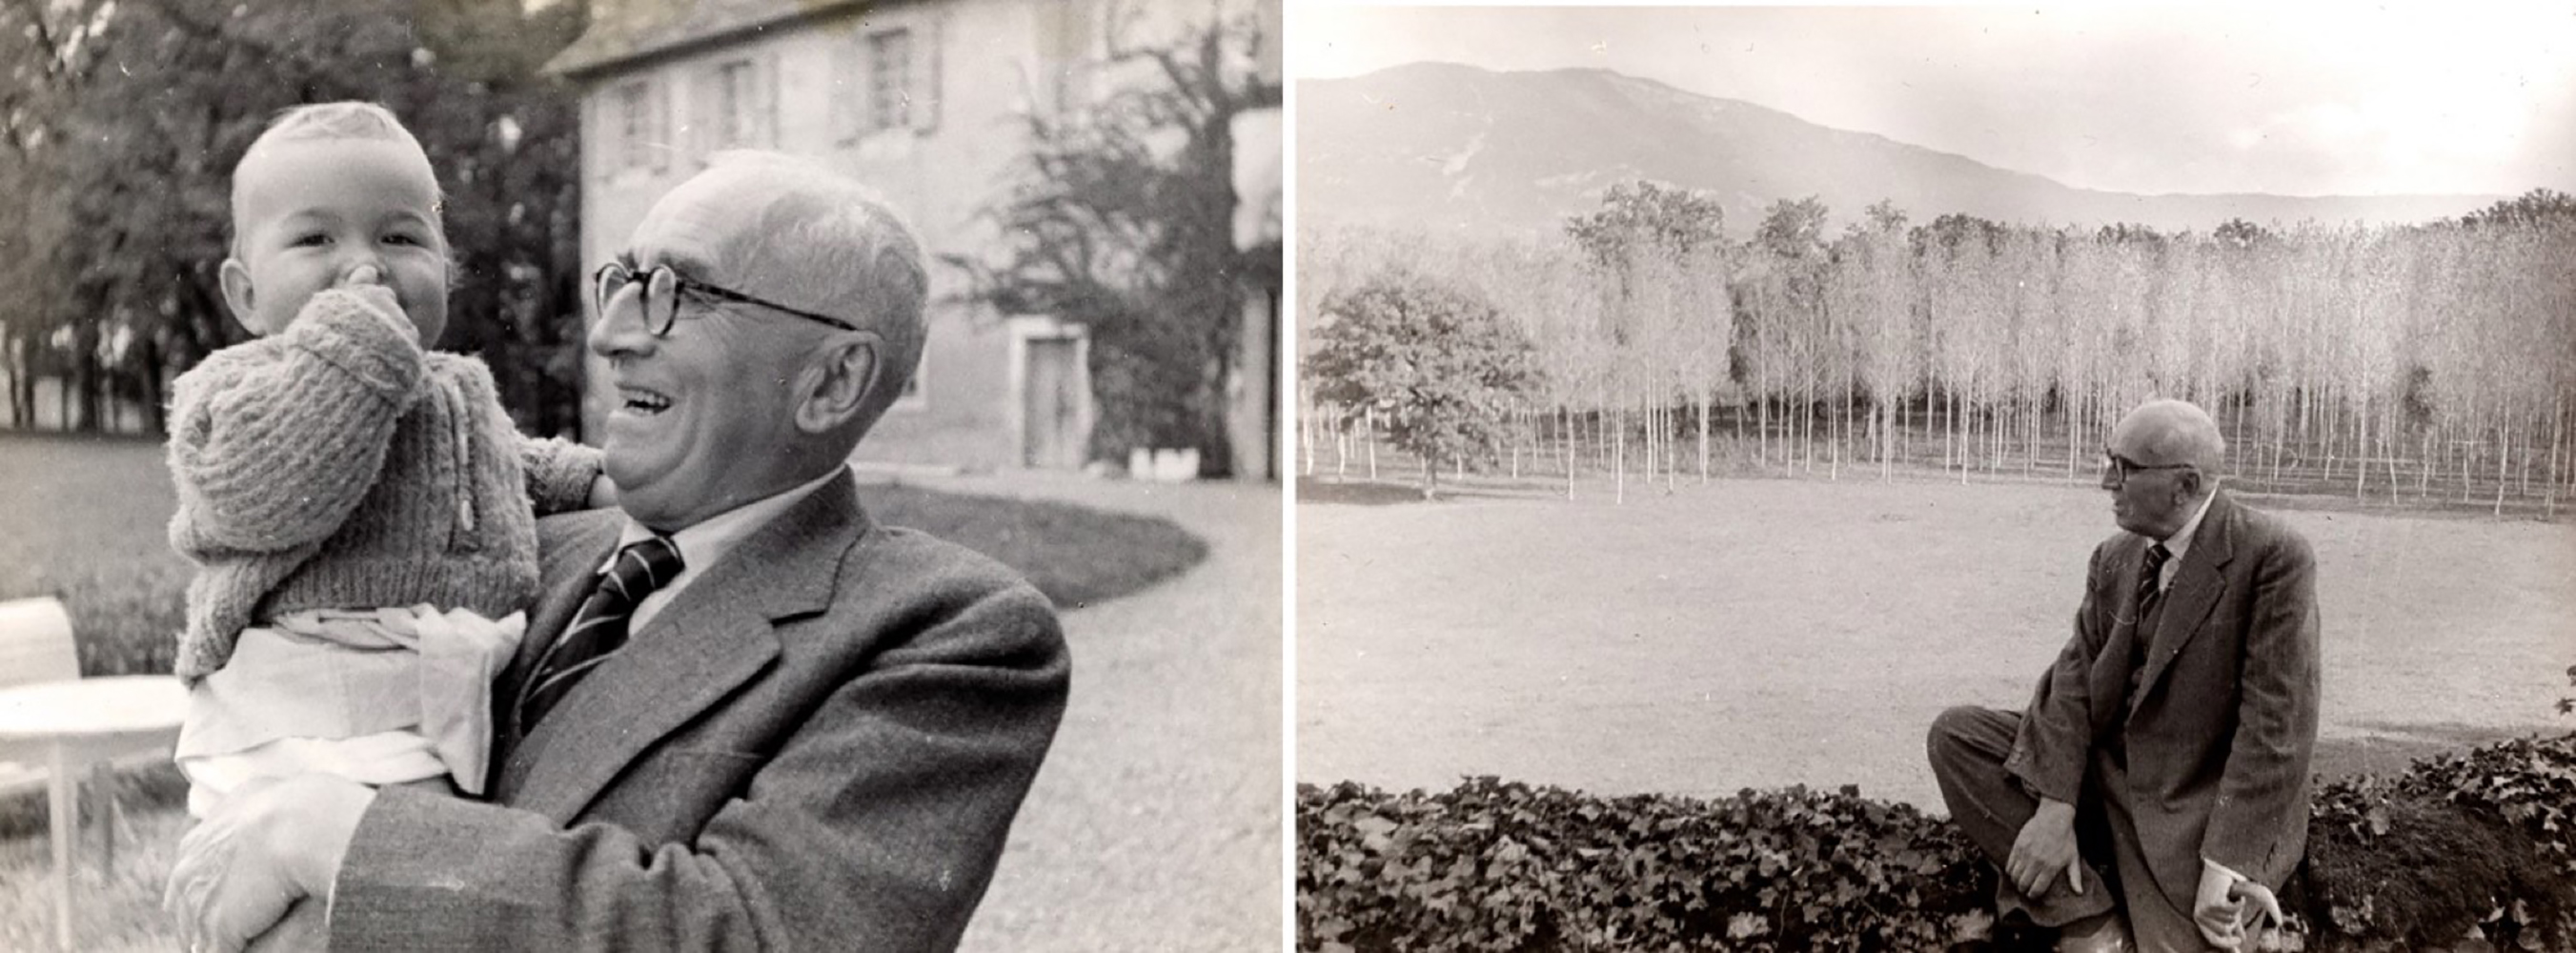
2477,841
1505,866
2480,841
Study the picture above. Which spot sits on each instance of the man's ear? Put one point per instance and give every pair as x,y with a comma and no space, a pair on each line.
238,295
837,383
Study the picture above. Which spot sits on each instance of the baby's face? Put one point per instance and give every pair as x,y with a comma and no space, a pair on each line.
312,212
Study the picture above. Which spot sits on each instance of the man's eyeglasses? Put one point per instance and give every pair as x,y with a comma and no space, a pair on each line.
661,291
2119,468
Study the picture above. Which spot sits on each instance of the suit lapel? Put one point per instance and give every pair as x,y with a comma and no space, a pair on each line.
2196,589
713,637
572,563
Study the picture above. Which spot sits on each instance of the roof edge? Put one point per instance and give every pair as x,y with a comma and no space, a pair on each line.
579,62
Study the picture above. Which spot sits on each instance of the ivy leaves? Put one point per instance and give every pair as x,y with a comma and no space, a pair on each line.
2482,843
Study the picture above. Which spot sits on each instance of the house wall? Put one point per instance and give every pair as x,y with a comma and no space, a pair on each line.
990,57
993,61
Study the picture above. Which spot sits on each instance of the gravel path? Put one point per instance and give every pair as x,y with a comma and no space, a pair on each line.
1155,823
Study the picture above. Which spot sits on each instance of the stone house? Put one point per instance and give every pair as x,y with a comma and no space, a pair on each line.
921,100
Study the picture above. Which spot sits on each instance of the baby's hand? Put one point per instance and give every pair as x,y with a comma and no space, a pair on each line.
368,283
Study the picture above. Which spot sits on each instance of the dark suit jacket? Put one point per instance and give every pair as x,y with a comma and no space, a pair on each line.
2219,734
817,745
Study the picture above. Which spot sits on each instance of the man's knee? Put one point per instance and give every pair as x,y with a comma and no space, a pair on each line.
1951,730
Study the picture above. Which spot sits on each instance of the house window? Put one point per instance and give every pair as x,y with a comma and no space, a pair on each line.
890,79
736,103
633,114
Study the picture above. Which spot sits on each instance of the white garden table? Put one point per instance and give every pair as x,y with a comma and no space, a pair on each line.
83,725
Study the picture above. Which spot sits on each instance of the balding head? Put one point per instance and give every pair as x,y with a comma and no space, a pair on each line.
2164,460
2170,432
793,231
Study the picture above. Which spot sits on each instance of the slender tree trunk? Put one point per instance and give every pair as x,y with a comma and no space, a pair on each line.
1566,437
1887,439
1762,428
1703,434
2557,440
2504,456
1949,409
1371,437
1341,448
1619,461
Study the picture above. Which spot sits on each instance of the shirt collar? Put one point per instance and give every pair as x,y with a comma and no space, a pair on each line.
2180,541
703,543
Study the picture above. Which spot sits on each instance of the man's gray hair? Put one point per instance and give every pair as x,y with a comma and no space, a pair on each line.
822,241
2172,431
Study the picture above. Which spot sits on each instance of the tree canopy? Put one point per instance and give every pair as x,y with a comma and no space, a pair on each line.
1434,367
124,120
1121,219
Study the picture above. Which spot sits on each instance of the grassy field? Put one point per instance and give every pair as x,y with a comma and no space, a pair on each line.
1762,633
83,519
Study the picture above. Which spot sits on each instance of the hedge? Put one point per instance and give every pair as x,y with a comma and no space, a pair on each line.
2481,844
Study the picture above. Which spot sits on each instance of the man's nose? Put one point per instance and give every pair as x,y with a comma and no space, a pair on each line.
2110,477
618,328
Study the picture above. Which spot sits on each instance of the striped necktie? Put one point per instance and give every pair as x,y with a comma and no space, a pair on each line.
2149,594
598,630
2151,579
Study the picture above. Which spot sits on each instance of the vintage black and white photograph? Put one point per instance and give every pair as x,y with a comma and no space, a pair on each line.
1934,478
642,474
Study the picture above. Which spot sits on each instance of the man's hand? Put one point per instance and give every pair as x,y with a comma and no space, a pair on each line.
2219,908
269,844
2046,847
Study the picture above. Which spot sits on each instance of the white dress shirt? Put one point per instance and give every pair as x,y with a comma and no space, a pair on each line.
2179,543
704,544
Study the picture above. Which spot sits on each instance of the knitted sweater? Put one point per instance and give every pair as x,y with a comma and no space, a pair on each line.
337,465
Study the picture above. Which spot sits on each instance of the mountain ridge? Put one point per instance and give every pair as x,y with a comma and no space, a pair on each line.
1450,146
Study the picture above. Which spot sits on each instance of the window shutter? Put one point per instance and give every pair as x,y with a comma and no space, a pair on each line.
926,78
706,111
598,141
767,81
657,127
849,98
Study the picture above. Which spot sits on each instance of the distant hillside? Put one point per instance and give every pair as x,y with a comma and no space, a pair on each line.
1458,147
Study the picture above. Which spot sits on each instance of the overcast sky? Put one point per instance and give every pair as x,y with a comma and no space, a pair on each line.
2290,100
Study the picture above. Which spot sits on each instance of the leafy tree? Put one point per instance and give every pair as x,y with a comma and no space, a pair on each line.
2239,233
2530,208
1437,366
1643,213
1121,219
149,103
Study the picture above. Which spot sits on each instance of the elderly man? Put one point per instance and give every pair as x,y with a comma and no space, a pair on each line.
746,716
2167,749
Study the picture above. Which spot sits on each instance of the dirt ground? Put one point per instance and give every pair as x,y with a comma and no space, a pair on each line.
1155,823
1763,633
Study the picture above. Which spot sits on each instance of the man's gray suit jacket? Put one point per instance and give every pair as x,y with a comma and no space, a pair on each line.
817,745
2219,733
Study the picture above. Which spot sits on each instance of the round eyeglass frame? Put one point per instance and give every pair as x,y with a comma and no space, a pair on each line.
663,286
2119,468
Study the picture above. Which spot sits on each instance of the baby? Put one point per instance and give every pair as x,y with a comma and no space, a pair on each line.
361,510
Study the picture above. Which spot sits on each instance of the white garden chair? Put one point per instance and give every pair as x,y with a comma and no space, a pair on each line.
54,724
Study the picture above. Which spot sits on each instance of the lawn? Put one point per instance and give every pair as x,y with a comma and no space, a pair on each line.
83,519
1763,633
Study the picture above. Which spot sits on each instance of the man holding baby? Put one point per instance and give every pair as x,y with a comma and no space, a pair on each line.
744,716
